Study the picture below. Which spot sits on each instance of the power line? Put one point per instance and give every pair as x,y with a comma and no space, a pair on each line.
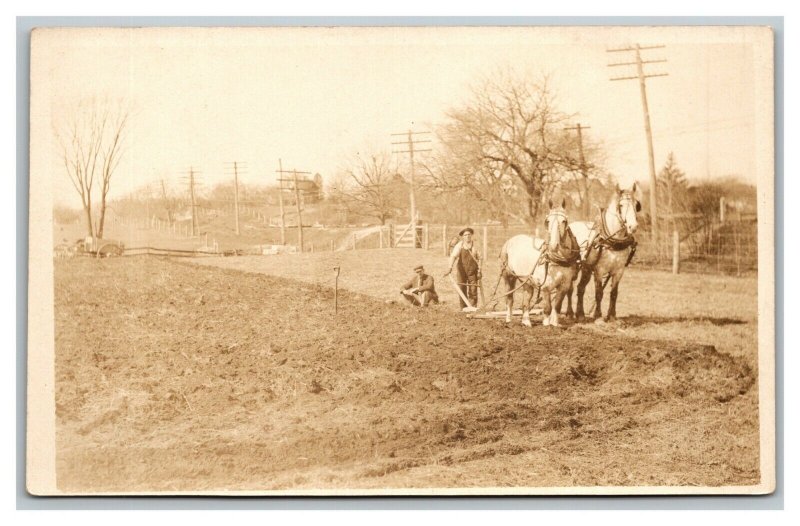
195,221
410,142
235,193
294,173
641,76
584,167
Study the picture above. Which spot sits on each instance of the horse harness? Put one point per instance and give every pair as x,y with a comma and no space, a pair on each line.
608,240
561,255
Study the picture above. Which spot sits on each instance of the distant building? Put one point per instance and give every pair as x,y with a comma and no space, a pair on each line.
311,190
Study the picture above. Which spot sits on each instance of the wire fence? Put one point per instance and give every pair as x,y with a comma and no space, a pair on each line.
714,248
719,247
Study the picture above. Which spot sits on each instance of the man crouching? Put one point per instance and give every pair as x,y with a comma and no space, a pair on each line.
419,291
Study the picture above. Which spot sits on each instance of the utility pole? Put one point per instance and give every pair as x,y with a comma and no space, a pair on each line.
237,166
236,195
166,202
584,169
191,179
299,215
410,142
294,180
641,76
280,201
195,223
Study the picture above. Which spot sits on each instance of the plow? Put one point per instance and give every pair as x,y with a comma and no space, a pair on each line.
482,311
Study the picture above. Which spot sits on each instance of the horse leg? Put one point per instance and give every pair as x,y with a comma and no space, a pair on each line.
586,274
527,295
568,295
510,283
561,292
611,316
547,308
598,297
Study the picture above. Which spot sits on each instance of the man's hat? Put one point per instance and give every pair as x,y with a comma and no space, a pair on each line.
468,229
418,267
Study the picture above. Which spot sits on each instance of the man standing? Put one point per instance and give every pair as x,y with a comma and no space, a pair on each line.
419,290
467,260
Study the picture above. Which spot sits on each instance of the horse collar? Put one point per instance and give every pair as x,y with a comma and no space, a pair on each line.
609,239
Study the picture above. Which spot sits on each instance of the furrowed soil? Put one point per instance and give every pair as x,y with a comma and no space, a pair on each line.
173,376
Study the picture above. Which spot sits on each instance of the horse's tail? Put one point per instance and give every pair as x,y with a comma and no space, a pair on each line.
503,256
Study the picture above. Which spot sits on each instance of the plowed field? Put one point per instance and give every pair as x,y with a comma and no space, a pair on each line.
177,376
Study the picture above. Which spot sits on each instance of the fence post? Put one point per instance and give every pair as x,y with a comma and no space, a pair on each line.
738,253
444,240
676,252
380,232
354,240
485,242
426,237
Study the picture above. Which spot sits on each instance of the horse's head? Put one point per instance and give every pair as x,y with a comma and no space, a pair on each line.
556,224
627,207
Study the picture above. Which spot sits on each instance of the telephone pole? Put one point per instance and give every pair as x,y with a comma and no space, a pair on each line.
641,76
195,221
410,143
294,181
166,202
236,195
584,168
236,167
299,215
280,202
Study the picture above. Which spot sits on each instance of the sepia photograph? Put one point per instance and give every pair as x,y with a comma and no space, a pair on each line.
440,260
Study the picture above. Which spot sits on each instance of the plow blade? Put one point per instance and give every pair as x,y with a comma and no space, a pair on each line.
501,314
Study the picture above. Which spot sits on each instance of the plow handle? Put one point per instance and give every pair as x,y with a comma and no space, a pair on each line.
463,297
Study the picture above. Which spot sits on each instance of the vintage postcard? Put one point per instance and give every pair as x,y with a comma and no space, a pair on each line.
401,261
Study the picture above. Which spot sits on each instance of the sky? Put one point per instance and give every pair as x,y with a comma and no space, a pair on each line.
312,97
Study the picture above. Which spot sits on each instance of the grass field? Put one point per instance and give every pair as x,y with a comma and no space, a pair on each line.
233,373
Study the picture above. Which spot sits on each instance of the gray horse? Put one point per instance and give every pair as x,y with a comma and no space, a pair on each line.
607,246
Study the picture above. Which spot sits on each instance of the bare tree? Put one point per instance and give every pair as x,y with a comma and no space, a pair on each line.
453,177
507,145
170,203
112,130
91,141
586,181
372,187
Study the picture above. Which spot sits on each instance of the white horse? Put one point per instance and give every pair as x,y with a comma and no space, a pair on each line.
606,249
547,266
